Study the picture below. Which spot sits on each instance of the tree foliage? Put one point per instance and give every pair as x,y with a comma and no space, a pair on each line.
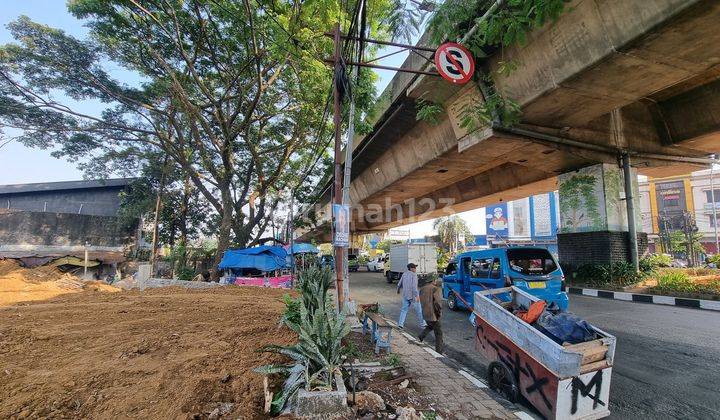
507,25
451,229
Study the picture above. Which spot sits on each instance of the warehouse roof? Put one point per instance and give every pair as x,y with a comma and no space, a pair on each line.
65,185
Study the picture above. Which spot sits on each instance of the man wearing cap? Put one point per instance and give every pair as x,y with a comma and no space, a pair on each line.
410,295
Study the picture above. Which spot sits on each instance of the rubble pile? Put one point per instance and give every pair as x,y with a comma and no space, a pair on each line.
19,284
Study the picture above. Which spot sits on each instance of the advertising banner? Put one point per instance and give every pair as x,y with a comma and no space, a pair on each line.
497,222
341,220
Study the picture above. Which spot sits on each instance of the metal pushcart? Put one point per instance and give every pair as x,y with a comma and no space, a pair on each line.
570,381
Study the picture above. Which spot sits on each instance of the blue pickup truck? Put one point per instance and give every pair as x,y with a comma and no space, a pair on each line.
531,269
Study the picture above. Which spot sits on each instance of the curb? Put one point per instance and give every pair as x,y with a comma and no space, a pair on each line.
710,305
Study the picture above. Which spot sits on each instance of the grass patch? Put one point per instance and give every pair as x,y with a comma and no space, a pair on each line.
680,282
675,282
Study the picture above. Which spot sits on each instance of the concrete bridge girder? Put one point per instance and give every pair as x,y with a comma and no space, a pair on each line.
605,54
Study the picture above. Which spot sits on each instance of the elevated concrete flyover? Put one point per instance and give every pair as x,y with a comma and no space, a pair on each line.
608,77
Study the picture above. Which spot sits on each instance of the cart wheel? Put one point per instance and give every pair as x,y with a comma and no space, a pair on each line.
501,379
452,302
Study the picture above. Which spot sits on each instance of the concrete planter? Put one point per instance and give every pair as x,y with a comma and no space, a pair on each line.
322,404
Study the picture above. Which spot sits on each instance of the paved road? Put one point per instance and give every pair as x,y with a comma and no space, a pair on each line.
667,360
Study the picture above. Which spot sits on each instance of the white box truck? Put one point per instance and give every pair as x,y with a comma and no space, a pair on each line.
424,255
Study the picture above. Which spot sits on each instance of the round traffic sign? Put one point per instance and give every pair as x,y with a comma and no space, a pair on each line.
454,63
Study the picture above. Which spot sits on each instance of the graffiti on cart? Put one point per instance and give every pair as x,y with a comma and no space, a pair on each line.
512,360
581,388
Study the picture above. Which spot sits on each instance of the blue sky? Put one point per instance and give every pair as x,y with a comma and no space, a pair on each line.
19,164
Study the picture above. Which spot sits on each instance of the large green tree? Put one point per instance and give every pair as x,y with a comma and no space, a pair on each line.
451,229
232,92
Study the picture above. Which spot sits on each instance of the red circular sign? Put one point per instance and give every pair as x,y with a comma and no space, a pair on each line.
454,63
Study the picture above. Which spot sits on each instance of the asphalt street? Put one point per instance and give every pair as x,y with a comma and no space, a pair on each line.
667,360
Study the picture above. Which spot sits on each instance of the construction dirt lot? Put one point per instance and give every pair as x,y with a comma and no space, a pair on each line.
96,352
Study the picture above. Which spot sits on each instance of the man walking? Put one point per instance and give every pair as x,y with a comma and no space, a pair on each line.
410,295
431,302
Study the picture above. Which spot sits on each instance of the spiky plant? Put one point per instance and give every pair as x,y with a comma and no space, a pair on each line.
318,353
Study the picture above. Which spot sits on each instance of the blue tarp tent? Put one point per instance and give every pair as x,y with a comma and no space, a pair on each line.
263,258
303,248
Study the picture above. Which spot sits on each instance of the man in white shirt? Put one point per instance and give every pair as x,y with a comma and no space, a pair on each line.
410,296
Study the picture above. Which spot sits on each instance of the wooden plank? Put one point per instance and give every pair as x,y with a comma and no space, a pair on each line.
268,396
592,351
580,347
594,354
602,364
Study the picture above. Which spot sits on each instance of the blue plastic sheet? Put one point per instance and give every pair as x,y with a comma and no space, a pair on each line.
565,327
304,248
263,258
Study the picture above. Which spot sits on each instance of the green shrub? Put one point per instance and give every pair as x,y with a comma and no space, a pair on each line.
617,274
393,360
185,273
292,310
654,261
714,259
675,282
712,288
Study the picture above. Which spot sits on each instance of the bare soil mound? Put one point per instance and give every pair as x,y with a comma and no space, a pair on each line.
162,353
19,284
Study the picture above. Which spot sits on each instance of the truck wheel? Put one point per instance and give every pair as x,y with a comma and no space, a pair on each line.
452,302
501,379
388,277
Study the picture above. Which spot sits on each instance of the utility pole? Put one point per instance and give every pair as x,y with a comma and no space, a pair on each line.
337,179
348,156
291,235
712,188
630,205
158,207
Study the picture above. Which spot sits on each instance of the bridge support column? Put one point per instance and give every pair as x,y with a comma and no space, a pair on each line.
594,217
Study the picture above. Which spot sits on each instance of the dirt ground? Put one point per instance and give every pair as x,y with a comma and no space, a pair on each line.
161,353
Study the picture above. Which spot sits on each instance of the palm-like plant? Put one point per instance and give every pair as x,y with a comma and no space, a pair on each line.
450,229
318,353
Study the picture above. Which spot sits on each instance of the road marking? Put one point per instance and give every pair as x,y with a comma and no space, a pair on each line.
391,323
408,336
433,352
523,415
710,304
664,300
589,292
623,296
475,381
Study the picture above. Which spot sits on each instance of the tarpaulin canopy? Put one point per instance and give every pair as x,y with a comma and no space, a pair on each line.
303,248
263,258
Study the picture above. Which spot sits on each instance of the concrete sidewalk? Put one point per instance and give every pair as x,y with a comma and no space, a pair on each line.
453,389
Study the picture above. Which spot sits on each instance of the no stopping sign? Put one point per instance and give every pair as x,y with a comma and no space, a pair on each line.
454,63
